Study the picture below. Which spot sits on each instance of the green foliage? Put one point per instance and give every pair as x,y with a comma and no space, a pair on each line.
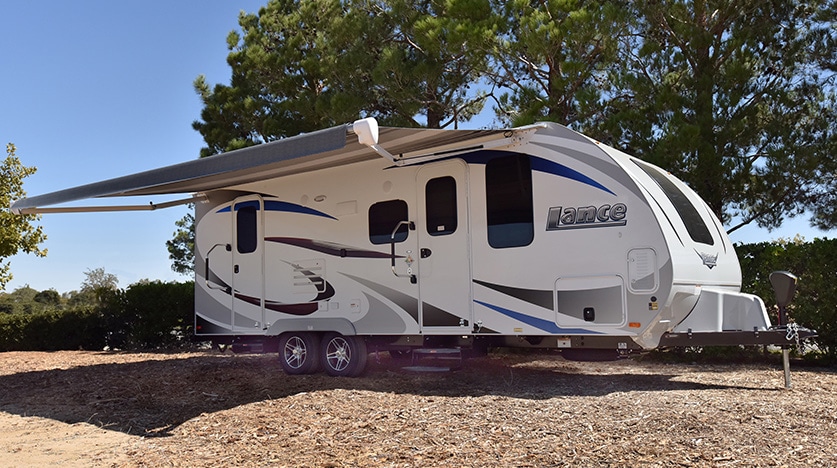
815,264
78,328
160,314
49,297
732,98
146,315
304,65
431,55
182,246
98,279
97,288
294,70
17,232
555,58
21,295
25,300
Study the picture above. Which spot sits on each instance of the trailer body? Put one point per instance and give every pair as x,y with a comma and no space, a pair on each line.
328,245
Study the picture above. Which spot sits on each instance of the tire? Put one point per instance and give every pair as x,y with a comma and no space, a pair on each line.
299,353
343,356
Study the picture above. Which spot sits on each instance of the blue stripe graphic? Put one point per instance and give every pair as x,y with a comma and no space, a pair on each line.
551,167
545,325
275,205
538,164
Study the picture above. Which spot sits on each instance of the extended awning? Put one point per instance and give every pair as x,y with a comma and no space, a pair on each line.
333,147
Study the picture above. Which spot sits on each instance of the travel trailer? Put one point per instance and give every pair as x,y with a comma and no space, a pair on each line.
329,245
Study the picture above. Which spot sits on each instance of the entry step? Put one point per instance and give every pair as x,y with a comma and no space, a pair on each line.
451,356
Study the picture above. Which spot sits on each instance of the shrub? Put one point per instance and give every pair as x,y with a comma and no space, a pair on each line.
160,314
815,303
78,328
146,315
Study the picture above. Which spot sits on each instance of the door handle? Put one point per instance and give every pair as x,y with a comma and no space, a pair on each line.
424,253
235,269
411,226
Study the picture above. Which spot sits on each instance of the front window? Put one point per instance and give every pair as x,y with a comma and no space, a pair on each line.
508,194
685,209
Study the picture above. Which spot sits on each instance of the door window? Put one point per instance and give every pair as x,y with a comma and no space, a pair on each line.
246,230
440,201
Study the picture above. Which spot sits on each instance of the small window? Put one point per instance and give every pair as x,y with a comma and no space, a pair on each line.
383,217
688,213
508,195
246,215
440,198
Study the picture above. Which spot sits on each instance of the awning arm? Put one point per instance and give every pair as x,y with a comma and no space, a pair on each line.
99,209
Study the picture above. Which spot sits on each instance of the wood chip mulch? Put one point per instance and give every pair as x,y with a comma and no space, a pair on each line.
212,409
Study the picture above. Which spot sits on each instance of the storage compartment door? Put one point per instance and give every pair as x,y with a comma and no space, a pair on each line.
590,301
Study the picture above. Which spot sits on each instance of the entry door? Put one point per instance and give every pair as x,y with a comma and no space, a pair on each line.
248,263
444,247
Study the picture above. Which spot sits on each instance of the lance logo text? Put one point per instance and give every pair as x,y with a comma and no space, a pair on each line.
586,217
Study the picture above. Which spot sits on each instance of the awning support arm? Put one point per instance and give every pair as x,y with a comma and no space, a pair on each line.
100,209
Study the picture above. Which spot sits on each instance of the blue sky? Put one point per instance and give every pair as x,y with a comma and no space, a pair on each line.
95,89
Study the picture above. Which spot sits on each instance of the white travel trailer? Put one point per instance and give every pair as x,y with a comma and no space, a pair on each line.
331,244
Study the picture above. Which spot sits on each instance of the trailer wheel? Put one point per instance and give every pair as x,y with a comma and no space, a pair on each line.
298,353
343,356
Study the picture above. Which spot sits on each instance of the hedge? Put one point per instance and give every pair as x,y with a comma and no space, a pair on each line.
146,315
815,265
80,328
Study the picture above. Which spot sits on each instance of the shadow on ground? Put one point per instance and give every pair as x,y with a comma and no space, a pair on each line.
151,398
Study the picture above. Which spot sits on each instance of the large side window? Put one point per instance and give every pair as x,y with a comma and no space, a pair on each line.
688,213
508,194
246,229
440,199
383,217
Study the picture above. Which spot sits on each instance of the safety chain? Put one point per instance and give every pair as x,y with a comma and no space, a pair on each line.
793,334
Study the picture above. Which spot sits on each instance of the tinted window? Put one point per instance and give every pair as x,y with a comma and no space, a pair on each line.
383,217
688,213
440,198
246,231
508,194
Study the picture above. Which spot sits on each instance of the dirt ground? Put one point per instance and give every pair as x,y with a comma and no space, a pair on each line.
210,409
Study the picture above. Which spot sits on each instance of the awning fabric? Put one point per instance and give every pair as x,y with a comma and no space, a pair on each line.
331,147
